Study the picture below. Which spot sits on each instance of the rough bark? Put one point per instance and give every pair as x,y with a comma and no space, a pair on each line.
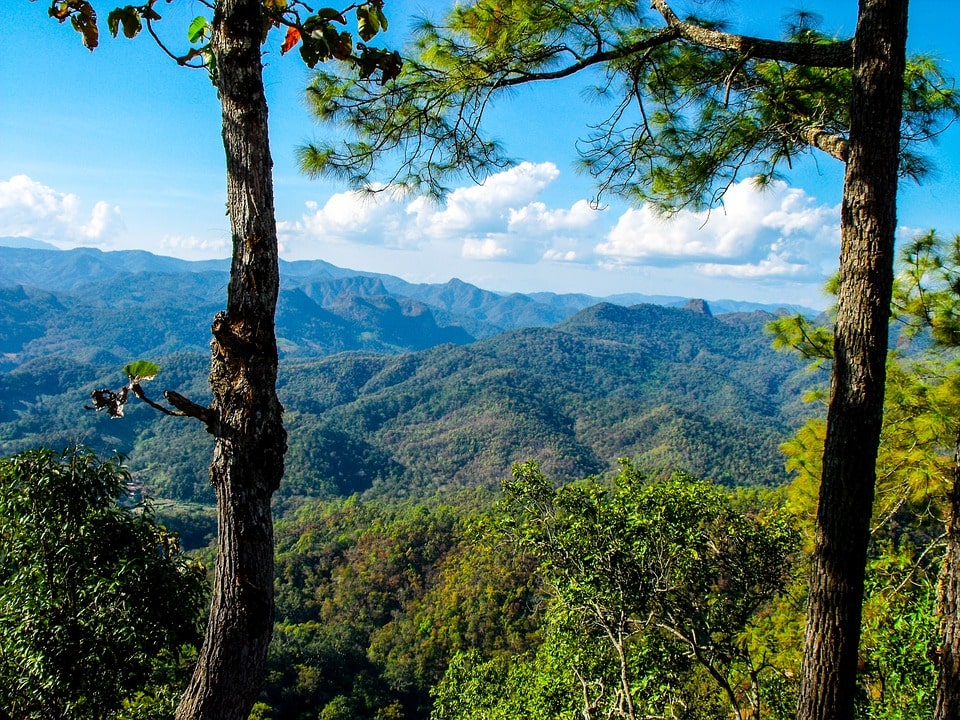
250,444
868,224
948,609
834,145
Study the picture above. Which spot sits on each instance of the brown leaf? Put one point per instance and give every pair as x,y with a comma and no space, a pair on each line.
84,20
290,41
110,401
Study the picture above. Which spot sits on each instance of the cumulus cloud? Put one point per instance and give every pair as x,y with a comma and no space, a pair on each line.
31,209
776,231
502,219
104,220
365,218
486,208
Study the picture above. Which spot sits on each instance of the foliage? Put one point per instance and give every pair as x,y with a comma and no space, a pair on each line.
374,599
928,288
683,112
898,677
113,402
915,466
652,587
314,32
669,387
96,600
922,397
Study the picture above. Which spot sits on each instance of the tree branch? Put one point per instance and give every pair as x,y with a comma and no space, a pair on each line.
838,54
188,408
834,145
660,38
183,407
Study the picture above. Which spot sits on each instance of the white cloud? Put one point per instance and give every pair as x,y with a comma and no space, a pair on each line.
502,219
769,267
31,209
485,208
777,234
366,218
487,248
104,220
759,232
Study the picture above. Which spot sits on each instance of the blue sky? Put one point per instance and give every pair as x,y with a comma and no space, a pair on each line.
120,149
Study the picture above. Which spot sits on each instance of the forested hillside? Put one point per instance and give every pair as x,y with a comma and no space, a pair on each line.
671,388
425,566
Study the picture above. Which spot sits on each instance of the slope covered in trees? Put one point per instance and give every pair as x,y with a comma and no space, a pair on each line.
671,388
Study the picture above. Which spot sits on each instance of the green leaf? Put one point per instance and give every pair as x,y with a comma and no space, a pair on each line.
141,370
311,53
198,30
129,17
113,20
368,24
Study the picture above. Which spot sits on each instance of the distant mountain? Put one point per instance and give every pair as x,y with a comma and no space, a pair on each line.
23,242
671,388
393,387
60,270
86,303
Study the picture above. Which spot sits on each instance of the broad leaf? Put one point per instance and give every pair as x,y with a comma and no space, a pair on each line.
332,15
368,23
290,41
313,51
198,30
381,18
141,370
84,21
129,17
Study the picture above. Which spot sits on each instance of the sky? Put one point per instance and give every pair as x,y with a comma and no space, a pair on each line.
120,149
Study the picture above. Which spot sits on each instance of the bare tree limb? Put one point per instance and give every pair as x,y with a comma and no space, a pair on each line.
834,145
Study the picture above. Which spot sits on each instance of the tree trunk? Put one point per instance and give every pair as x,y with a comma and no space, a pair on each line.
248,456
948,608
868,225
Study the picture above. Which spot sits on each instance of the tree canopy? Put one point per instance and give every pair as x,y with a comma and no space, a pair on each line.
94,594
684,105
696,104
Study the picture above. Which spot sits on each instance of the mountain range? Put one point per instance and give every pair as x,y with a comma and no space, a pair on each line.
397,388
106,307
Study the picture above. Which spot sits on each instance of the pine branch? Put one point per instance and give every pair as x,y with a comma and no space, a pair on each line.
661,38
838,54
834,145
